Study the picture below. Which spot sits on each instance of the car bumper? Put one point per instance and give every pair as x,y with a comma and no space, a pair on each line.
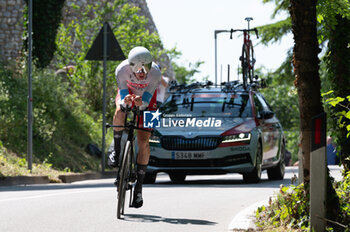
229,159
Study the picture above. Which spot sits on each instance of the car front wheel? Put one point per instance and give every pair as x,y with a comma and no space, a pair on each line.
255,175
277,172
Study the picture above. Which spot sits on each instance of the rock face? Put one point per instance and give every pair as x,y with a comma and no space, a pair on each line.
11,27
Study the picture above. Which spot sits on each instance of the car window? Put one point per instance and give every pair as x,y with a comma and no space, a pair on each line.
263,102
258,106
207,105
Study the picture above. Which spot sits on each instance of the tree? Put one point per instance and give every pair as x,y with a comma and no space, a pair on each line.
338,74
47,16
182,73
306,66
333,23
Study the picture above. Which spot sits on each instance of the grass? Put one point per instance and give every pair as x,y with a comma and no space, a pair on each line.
12,165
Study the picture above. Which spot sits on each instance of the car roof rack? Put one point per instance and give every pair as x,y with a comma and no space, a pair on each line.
185,88
226,87
230,86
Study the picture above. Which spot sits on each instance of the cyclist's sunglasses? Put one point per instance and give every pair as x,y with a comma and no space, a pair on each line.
144,68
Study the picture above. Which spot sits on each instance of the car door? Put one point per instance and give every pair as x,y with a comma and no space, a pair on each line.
270,128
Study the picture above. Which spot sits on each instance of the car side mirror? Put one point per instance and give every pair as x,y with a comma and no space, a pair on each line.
267,114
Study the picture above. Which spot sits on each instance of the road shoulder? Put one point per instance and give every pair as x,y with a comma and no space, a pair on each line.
244,219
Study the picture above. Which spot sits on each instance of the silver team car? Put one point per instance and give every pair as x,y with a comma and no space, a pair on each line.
216,130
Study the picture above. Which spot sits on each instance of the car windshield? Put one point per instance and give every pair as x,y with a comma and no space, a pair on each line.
207,105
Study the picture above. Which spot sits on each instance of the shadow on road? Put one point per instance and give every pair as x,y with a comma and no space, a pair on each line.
153,218
221,183
225,181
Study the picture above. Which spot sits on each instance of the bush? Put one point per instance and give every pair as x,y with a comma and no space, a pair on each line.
62,125
290,209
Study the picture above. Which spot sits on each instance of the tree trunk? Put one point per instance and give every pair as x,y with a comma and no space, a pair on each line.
306,66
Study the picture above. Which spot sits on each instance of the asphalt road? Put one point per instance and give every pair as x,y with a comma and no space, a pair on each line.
202,203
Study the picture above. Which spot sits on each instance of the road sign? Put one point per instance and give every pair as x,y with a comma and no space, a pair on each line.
105,47
318,178
114,52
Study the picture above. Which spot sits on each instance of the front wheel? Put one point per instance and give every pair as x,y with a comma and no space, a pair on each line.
255,175
277,173
123,179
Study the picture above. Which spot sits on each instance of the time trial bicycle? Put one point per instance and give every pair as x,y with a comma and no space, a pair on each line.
248,58
126,176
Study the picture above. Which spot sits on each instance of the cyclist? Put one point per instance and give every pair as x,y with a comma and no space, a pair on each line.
138,78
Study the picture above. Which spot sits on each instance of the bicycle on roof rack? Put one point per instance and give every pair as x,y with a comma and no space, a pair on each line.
247,58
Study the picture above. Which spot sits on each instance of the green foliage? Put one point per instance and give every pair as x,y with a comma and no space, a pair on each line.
281,5
290,209
67,107
274,32
60,133
283,98
343,192
328,11
46,18
130,30
184,74
344,115
337,74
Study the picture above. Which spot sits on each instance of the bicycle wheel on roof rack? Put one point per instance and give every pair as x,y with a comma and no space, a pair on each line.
251,63
245,66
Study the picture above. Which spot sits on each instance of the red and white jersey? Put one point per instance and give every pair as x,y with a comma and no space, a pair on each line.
127,81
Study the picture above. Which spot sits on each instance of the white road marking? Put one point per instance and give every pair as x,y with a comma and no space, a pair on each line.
55,194
244,219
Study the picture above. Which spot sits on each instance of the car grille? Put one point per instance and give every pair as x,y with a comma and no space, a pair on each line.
197,143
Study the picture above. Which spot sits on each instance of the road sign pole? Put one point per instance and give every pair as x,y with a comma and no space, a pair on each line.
105,47
104,94
30,97
318,178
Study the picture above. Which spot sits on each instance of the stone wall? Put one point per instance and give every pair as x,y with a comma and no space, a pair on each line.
11,26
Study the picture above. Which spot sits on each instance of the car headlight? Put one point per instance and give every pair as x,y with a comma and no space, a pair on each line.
154,139
236,138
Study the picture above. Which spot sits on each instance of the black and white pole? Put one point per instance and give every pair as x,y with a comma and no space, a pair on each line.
30,97
318,177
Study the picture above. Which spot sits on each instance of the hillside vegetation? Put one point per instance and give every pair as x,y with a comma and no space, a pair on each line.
62,128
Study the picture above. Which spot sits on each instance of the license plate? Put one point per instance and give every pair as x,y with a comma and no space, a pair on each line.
188,155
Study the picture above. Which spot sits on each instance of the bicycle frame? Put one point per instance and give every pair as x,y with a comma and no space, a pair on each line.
130,174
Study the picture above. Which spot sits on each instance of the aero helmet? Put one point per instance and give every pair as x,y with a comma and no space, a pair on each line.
140,59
